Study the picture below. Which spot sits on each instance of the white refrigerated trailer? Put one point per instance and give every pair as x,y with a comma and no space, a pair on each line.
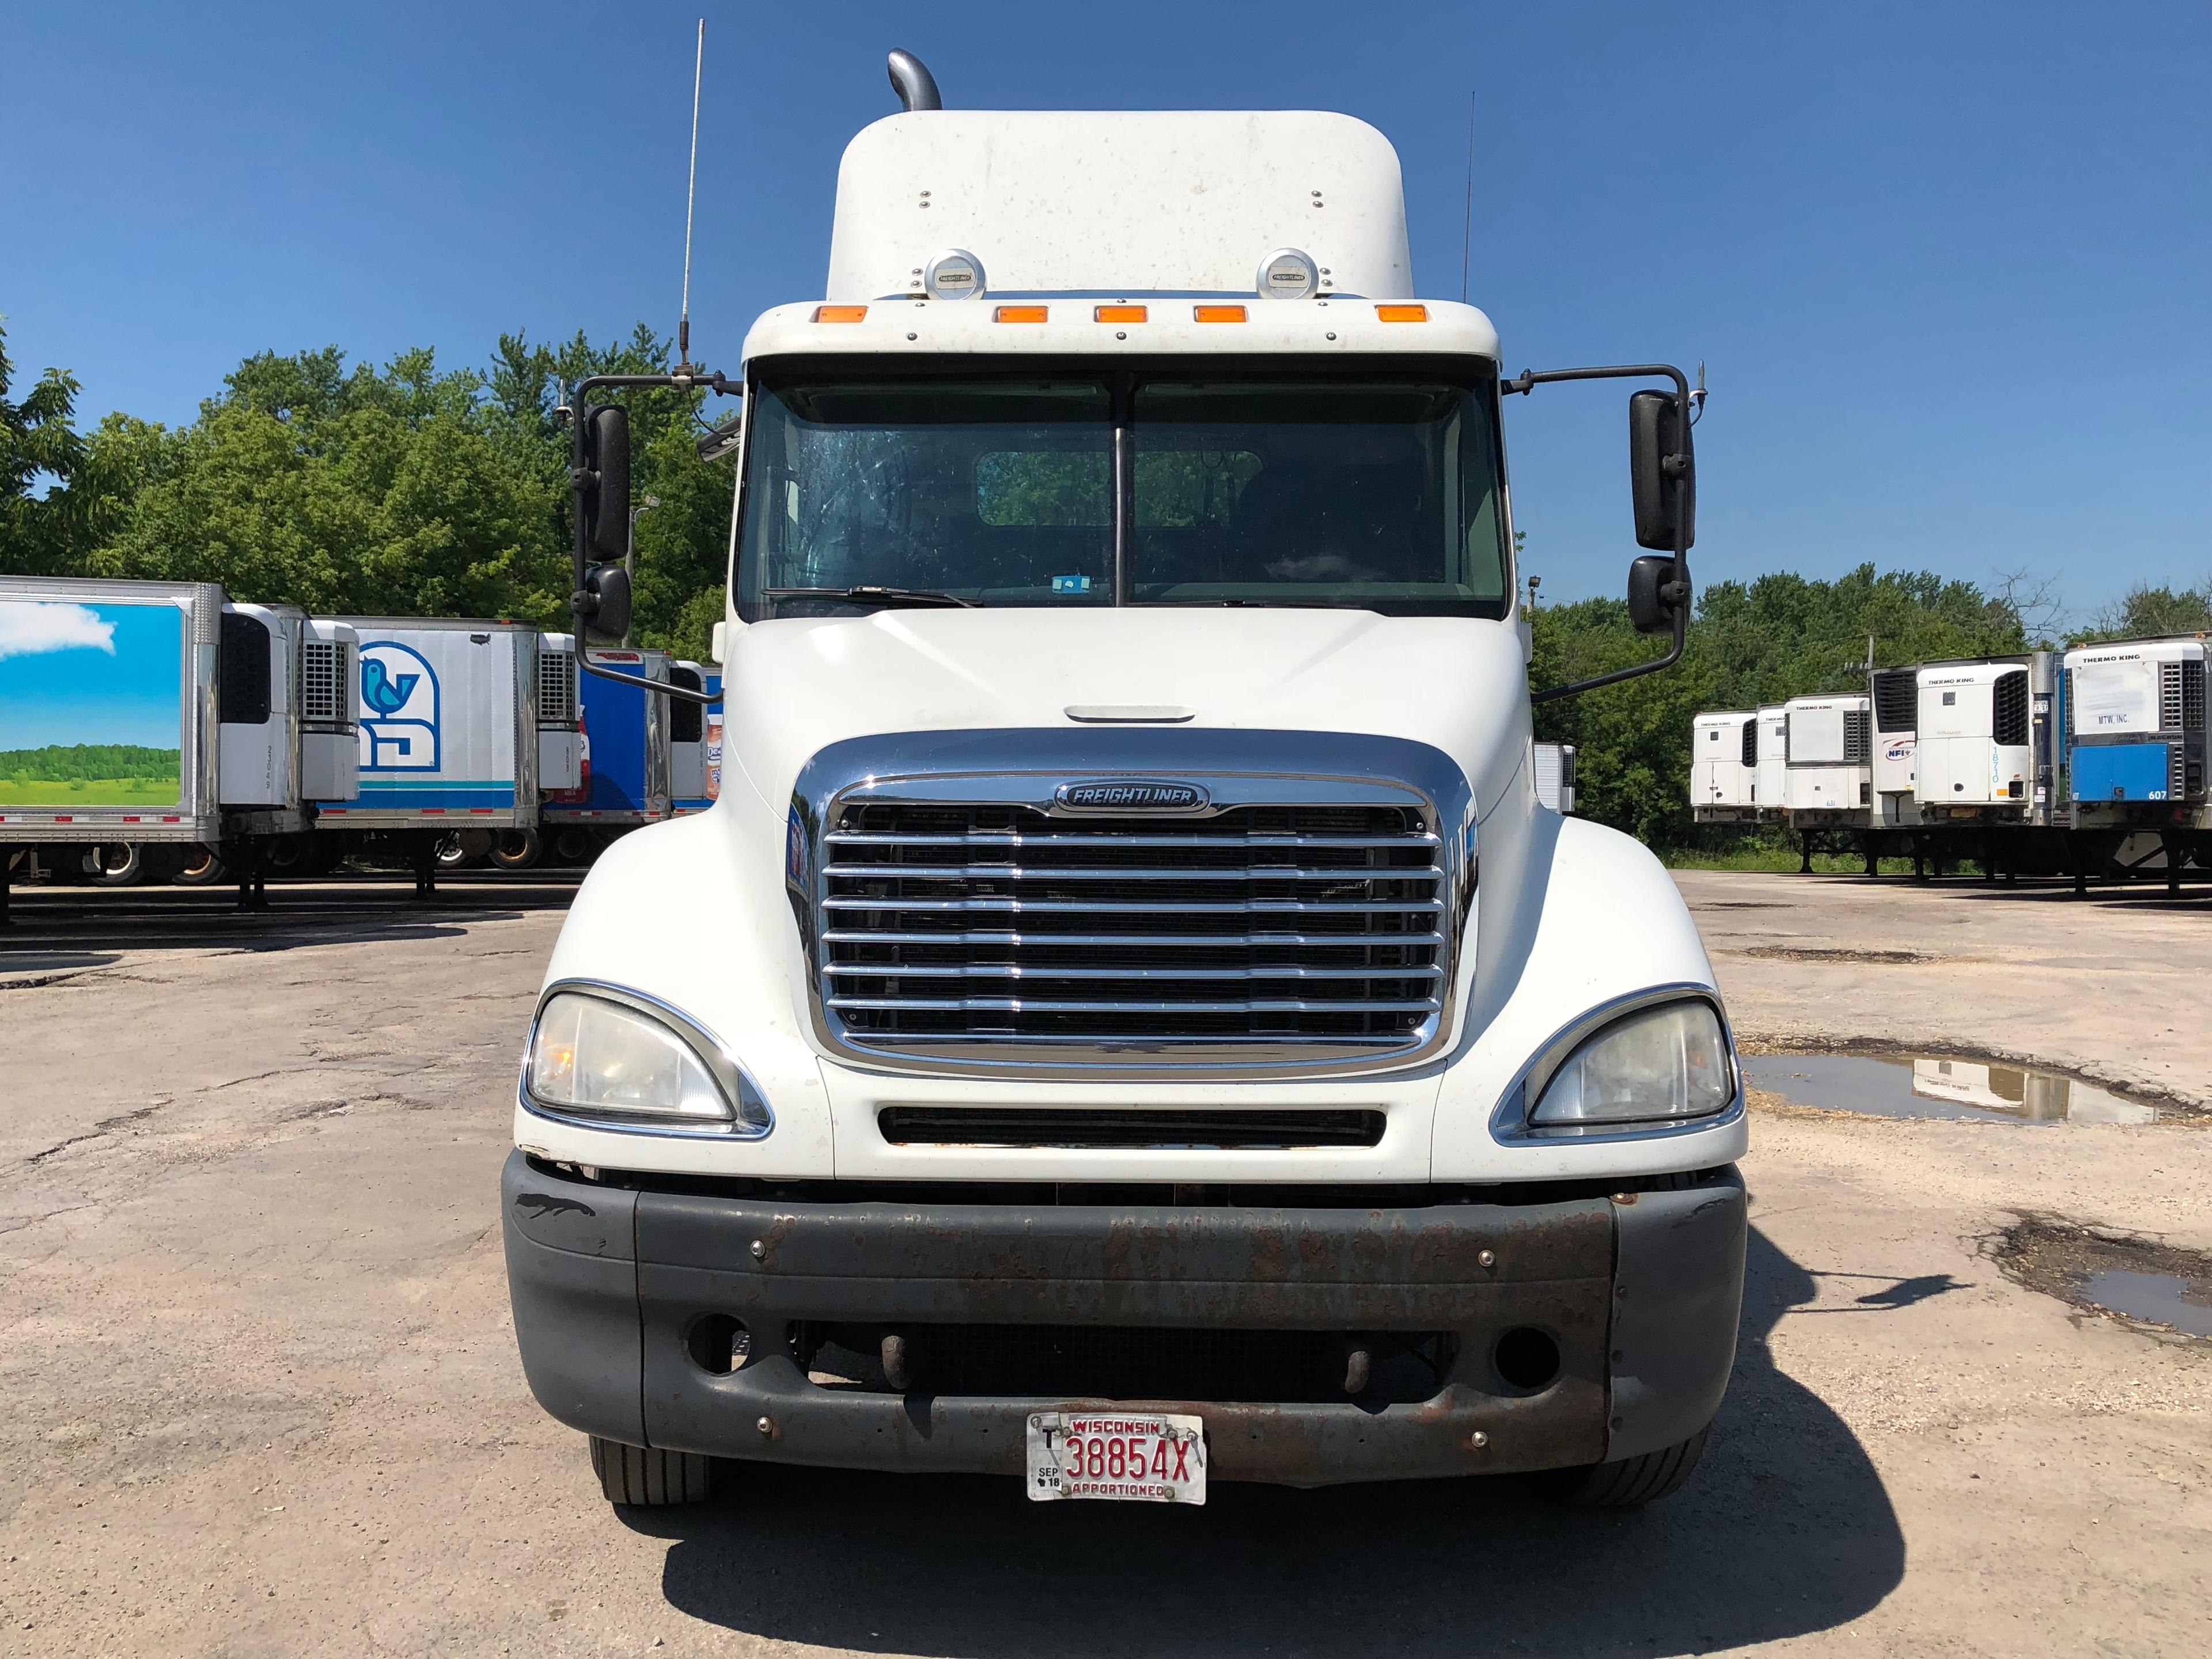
1724,768
1829,783
136,717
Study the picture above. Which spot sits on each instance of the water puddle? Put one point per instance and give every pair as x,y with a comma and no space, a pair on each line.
1925,1086
2139,1281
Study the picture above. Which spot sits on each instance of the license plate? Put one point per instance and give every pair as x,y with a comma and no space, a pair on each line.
1143,1458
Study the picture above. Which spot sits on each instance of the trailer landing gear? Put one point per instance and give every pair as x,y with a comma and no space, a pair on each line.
425,851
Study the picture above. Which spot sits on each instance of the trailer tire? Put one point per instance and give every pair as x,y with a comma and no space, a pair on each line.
1632,1482
201,867
642,1476
119,863
517,849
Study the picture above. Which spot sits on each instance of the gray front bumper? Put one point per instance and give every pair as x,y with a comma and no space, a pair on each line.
1641,1292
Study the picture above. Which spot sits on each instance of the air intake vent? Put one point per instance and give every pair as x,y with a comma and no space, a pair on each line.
2192,695
242,684
1896,700
1002,933
556,687
2169,696
326,683
2010,714
1089,1126
1857,746
1751,742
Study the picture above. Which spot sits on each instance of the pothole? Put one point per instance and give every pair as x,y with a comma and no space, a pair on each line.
2137,1281
1819,953
1929,1085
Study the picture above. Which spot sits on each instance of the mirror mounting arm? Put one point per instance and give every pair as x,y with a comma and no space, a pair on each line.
584,478
1676,589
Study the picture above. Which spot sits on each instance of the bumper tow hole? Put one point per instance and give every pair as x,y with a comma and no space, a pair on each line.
1526,1359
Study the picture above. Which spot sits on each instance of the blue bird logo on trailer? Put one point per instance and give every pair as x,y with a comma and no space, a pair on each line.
399,709
381,690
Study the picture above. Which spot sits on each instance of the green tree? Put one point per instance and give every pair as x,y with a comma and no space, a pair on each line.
39,442
2145,611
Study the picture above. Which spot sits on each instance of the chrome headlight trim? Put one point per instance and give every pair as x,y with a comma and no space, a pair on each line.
1509,1122
737,1084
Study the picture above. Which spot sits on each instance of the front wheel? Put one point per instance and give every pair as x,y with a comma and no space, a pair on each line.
639,1474
1632,1482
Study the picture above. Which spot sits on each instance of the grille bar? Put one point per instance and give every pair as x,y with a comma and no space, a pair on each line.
1015,970
976,928
1087,906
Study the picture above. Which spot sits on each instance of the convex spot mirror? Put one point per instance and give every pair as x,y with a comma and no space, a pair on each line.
607,602
1662,474
606,453
1651,607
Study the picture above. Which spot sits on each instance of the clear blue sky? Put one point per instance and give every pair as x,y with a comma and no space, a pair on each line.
1949,263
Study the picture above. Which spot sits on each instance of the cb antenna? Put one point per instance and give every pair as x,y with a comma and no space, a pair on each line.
691,197
1467,225
1698,396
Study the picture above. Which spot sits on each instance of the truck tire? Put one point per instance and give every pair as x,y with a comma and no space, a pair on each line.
635,1474
119,863
517,849
1633,1481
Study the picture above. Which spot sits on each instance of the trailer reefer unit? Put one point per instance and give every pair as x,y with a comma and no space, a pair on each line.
1986,739
1724,768
1896,701
560,723
108,710
1831,781
689,733
447,712
2135,718
626,734
1130,990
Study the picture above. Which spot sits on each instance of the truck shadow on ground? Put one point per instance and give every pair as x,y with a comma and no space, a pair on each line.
1786,1530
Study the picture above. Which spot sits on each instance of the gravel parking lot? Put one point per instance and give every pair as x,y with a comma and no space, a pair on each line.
264,1398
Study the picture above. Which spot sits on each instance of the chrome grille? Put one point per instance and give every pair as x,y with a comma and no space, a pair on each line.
966,924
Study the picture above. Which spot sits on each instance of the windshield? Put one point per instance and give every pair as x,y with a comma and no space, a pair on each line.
1365,490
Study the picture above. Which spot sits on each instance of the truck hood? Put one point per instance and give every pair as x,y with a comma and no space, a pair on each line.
792,687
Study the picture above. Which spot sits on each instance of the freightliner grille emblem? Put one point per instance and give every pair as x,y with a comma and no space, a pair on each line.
1129,795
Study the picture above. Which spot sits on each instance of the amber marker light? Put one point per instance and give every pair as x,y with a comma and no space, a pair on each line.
1401,314
841,313
1219,313
1119,314
1019,314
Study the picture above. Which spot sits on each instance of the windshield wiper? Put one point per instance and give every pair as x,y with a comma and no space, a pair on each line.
869,595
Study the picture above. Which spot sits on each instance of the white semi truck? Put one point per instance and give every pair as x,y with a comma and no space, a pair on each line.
1127,1020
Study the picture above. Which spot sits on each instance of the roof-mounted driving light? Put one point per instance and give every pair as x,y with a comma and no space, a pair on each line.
1288,274
955,274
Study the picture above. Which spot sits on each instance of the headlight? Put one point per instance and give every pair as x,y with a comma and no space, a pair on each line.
1656,1065
599,1058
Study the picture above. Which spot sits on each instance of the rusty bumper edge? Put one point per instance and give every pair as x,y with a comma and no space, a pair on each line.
607,1284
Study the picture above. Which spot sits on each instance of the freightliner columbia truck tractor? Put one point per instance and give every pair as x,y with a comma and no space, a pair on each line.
1127,1022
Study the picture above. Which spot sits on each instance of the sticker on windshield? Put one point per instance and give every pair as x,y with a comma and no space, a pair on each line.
1071,584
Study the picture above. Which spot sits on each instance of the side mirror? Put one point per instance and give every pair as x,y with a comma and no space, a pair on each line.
606,607
1662,474
1651,606
606,451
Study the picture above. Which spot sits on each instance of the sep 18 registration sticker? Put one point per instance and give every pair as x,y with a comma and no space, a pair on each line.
1145,1457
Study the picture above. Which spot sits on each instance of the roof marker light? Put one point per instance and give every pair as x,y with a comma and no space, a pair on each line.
1119,314
841,313
955,274
1401,314
1019,314
1218,313
1288,274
